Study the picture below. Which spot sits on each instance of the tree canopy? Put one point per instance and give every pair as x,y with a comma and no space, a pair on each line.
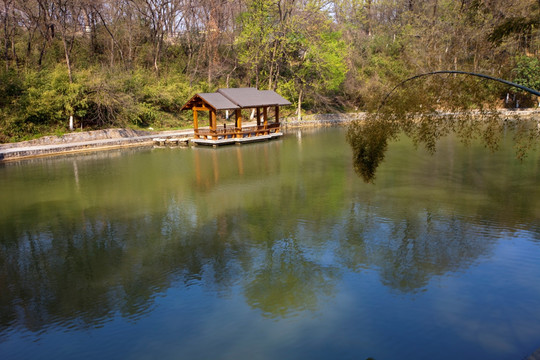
115,63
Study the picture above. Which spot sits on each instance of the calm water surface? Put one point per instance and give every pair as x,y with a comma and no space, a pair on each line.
271,250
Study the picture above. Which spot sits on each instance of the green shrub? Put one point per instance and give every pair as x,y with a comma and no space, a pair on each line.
145,115
50,98
527,72
11,88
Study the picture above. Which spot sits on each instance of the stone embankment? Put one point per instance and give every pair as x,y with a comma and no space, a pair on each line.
119,138
322,120
83,142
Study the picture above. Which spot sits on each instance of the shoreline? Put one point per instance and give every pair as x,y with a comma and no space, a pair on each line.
111,139
97,140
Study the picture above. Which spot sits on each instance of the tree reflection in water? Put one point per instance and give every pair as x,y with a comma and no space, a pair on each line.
288,281
76,255
81,276
459,108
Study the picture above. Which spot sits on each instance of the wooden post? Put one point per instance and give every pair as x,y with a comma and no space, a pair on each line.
239,122
196,124
213,123
265,118
258,117
277,114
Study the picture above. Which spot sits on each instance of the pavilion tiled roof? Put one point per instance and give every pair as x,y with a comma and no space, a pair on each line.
237,98
218,101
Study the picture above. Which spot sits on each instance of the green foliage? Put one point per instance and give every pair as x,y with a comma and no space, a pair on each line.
144,115
325,65
288,89
108,101
341,56
527,72
167,93
11,87
51,98
426,109
259,29
517,24
157,99
369,142
296,53
40,102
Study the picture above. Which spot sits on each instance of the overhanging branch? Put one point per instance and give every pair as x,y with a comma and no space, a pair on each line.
524,88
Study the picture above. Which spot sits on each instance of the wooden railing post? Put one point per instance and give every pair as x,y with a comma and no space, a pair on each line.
265,118
213,124
195,124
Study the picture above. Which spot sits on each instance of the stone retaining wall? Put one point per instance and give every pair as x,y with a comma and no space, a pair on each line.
321,120
117,138
77,137
106,140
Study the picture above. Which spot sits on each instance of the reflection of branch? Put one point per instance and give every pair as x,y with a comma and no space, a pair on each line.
524,88
369,142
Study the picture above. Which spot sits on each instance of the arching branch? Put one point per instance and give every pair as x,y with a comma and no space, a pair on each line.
524,88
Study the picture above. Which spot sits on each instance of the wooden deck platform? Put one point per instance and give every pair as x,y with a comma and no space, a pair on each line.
223,140
231,135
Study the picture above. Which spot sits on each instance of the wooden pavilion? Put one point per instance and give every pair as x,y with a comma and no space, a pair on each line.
236,99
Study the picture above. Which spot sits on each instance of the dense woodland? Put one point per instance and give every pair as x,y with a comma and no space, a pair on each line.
135,62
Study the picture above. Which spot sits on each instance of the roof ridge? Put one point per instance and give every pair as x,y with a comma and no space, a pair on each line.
231,98
234,98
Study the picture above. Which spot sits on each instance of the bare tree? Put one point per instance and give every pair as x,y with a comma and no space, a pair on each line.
66,17
7,20
159,15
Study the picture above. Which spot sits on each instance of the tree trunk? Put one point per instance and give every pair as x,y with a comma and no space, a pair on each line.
272,61
68,62
114,42
14,52
42,53
369,17
157,52
257,76
112,53
6,33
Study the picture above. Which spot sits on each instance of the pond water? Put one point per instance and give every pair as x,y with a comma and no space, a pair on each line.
271,250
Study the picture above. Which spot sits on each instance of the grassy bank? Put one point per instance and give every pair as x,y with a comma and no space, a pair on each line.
37,103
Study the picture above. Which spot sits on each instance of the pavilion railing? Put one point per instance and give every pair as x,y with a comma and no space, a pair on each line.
228,132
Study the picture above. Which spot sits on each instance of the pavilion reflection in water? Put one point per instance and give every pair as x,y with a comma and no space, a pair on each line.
261,101
225,167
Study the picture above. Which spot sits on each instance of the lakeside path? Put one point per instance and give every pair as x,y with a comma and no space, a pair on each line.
97,141
109,139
